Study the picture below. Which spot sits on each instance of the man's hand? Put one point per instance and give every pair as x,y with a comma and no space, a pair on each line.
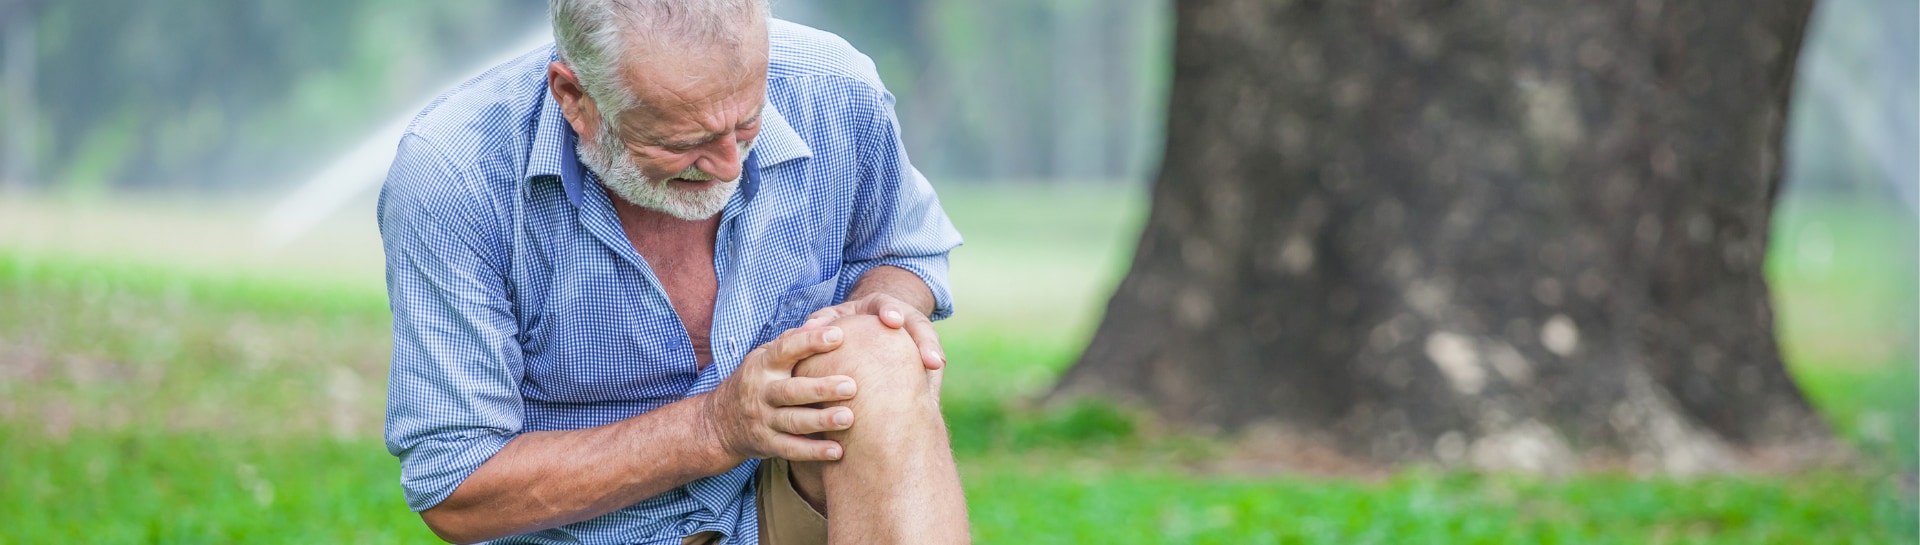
761,411
879,293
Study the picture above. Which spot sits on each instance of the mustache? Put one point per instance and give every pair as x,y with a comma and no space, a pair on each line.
692,173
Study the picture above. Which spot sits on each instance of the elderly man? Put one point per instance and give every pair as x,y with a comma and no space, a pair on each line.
614,265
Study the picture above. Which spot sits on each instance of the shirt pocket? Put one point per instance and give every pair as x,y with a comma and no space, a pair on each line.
794,306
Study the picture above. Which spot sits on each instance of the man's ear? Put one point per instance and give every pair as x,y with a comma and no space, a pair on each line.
575,104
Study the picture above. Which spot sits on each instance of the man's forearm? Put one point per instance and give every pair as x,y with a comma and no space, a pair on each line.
900,283
546,479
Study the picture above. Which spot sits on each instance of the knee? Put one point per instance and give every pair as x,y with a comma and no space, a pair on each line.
882,361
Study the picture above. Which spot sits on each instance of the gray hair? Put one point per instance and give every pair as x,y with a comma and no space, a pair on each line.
595,36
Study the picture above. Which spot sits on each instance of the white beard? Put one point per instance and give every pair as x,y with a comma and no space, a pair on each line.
608,159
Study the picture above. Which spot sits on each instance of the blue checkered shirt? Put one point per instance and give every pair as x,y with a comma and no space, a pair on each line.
519,305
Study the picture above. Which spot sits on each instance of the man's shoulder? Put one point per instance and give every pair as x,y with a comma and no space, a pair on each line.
490,110
461,154
800,51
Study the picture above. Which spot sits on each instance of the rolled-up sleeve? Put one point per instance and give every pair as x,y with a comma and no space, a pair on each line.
453,396
898,221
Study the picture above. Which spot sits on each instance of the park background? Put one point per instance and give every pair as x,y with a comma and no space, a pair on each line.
193,326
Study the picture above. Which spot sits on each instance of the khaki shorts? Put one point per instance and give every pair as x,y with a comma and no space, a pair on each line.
785,519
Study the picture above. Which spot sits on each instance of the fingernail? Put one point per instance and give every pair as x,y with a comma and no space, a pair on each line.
833,453
844,389
832,335
936,356
894,315
842,418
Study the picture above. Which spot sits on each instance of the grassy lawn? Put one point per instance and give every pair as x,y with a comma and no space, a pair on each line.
147,400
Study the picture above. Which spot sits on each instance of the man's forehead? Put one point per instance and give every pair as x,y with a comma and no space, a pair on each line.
698,83
674,88
684,73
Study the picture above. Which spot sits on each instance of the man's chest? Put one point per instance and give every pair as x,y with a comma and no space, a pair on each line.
608,317
680,254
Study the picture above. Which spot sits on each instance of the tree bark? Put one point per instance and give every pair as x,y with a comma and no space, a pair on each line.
1507,234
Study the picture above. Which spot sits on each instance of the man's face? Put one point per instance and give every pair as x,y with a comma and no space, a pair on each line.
682,150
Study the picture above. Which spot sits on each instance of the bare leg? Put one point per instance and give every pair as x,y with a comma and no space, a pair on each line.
897,482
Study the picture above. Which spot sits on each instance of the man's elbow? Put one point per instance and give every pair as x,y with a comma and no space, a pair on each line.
447,526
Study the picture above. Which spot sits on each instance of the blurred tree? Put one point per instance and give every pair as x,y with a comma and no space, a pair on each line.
245,94
1491,233
17,70
233,93
1014,89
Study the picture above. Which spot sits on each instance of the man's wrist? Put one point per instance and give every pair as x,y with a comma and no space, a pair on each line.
898,283
711,435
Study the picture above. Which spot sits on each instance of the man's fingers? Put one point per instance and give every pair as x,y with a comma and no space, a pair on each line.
800,449
782,353
928,342
894,313
795,391
898,315
802,421
827,315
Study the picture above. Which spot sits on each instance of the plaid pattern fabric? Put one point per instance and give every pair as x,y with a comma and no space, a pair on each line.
518,304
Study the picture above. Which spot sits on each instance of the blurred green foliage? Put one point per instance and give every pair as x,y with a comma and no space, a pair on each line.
253,95
199,94
1016,89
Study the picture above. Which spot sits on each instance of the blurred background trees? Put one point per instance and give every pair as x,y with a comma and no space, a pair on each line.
206,94
225,94
248,95
1060,90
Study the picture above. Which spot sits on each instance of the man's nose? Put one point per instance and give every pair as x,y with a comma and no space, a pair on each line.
722,158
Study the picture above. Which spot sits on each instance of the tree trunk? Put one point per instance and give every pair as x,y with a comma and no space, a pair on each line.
1506,234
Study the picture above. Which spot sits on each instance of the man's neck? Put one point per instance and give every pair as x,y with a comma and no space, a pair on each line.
634,217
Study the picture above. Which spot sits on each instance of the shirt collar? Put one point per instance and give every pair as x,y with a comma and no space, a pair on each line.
553,148
778,142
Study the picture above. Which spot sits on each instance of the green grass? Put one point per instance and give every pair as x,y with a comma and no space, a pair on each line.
117,346
201,487
134,486
1134,505
150,402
